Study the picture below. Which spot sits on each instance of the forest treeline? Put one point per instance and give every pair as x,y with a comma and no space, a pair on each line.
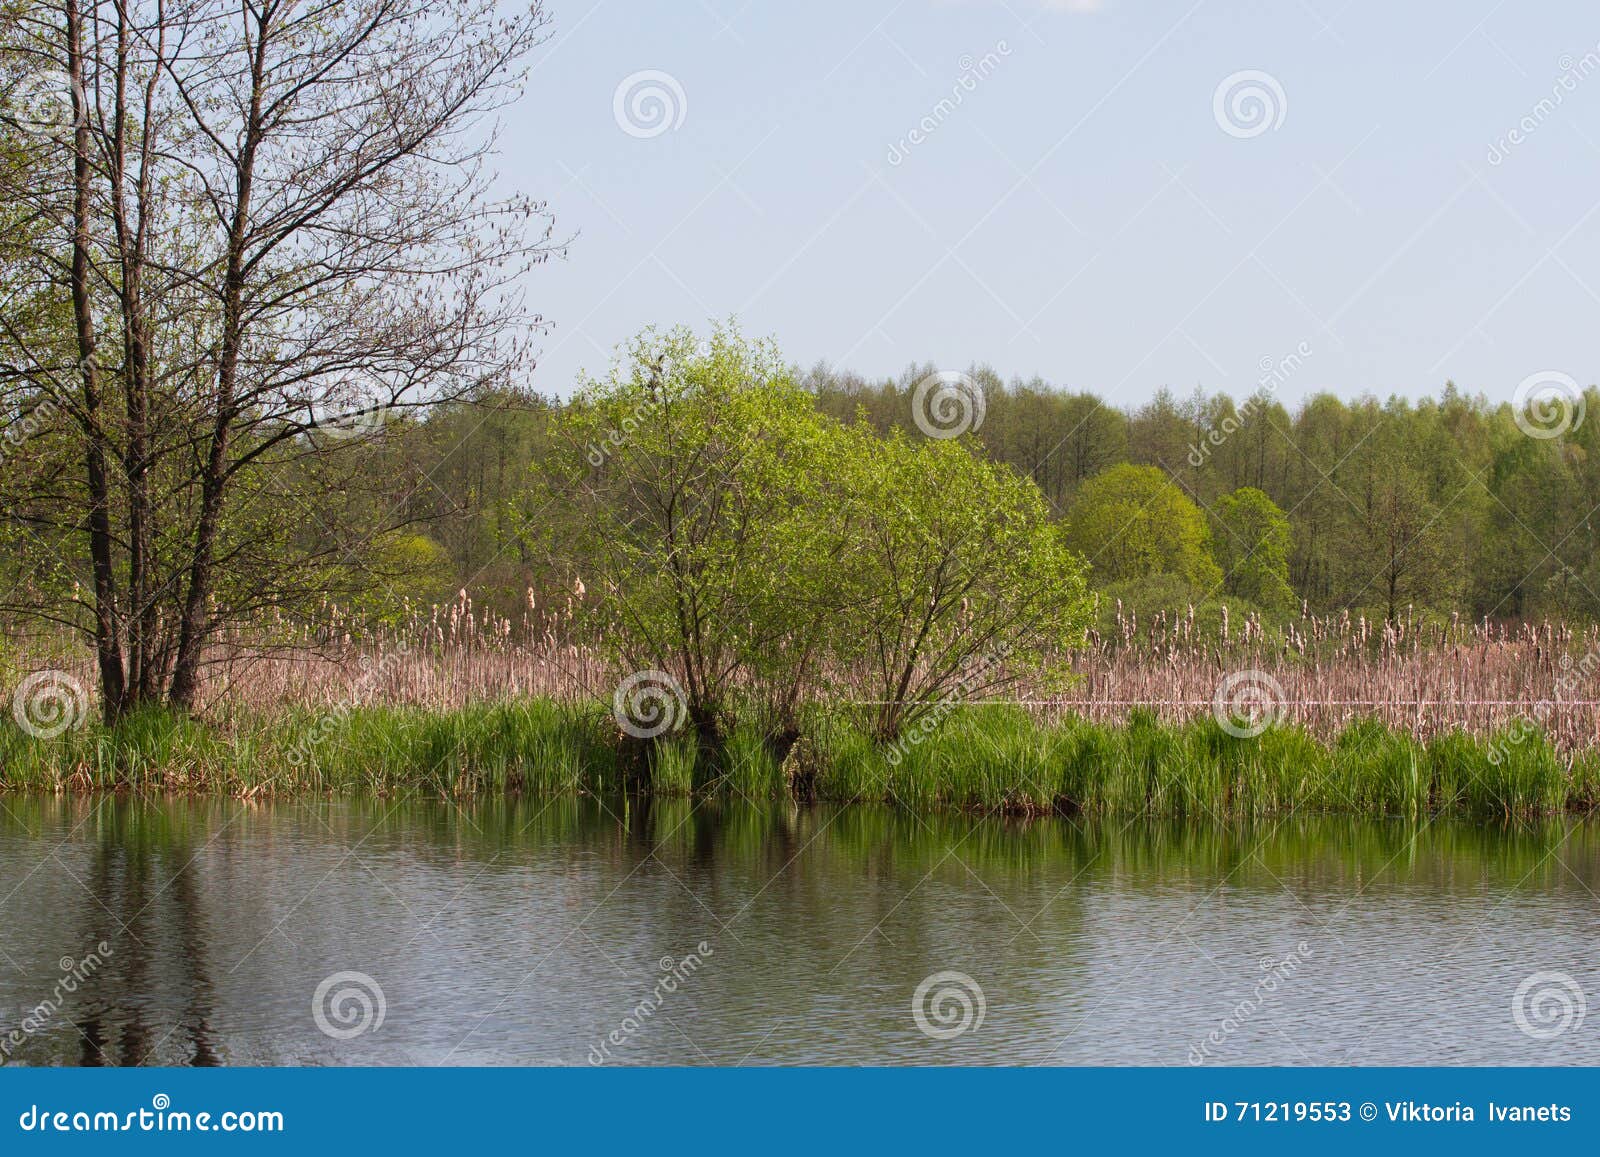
1444,504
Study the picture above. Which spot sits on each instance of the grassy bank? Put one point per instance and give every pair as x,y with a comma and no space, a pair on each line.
991,758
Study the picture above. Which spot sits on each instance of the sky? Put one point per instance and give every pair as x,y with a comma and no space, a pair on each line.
1113,195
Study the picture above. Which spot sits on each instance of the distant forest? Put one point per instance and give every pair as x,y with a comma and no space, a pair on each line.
1441,506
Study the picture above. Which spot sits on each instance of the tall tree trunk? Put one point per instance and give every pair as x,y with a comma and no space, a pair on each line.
141,625
108,647
194,626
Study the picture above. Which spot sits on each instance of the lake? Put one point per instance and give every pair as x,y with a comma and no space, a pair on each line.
577,931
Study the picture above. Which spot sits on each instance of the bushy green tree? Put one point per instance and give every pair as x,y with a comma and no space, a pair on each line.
1252,546
1132,522
1410,497
955,580
726,532
678,494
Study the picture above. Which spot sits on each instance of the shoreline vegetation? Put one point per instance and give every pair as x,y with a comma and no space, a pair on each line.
1336,714
993,758
725,589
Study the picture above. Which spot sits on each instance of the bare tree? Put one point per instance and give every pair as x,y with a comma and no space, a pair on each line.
274,228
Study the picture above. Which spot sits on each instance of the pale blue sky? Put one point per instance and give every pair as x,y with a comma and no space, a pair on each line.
1080,213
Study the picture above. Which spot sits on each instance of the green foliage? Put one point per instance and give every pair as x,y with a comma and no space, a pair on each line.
953,580
407,568
475,457
725,531
1132,522
1383,498
687,479
1252,546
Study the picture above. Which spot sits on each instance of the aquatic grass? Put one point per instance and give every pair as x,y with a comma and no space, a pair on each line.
673,763
145,748
1086,760
1528,777
539,745
1583,789
848,765
1379,771
999,759
749,764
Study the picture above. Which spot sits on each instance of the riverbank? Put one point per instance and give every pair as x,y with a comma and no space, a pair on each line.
980,757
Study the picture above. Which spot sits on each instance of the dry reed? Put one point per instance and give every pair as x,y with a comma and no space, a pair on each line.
1419,677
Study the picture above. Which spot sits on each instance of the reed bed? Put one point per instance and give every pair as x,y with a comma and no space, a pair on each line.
989,759
1423,676
1424,715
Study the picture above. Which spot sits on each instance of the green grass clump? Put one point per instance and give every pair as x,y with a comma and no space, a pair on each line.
850,766
149,747
1583,789
750,766
992,758
1379,771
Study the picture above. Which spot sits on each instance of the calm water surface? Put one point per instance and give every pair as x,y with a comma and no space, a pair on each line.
565,932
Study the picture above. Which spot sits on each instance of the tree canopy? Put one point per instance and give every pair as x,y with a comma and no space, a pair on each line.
1133,522
728,536
1252,546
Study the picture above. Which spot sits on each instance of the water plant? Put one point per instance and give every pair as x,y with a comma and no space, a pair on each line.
988,758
